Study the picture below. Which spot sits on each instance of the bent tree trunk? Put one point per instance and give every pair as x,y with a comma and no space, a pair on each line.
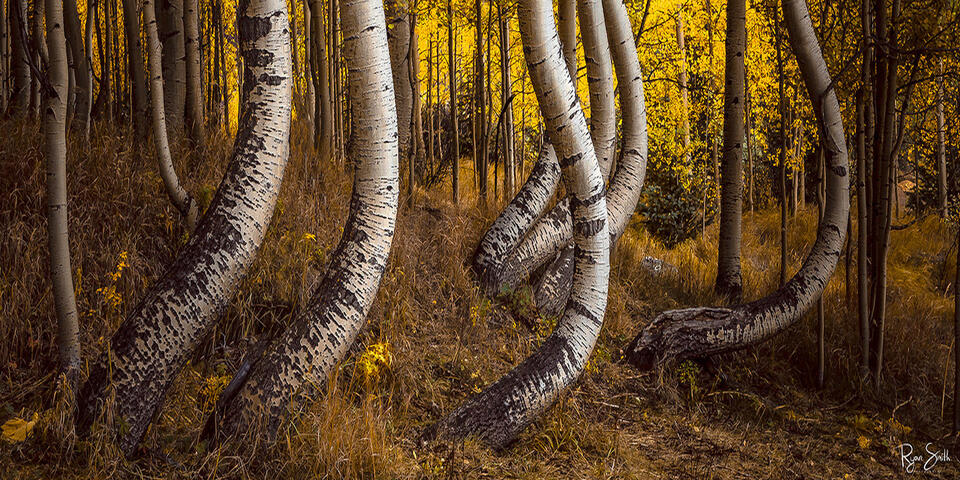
729,283
554,230
55,149
677,335
178,195
157,338
499,413
311,348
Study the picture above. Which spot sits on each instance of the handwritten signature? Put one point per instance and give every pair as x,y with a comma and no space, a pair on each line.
911,461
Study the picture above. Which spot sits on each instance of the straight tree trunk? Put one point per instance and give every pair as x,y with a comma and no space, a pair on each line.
684,93
194,94
324,136
398,38
4,59
308,352
137,73
941,149
499,413
729,283
782,152
454,122
170,23
158,337
55,151
81,68
480,109
20,70
308,62
700,332
864,138
747,138
416,151
956,339
505,96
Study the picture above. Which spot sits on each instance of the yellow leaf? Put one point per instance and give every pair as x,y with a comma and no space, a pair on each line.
864,442
17,429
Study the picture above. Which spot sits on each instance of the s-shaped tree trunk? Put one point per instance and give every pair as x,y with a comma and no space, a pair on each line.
178,195
55,149
729,283
159,335
499,413
308,351
699,332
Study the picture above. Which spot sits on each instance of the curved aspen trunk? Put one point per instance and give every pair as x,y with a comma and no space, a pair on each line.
499,413
554,230
309,351
55,149
729,282
158,337
178,195
515,221
194,101
677,335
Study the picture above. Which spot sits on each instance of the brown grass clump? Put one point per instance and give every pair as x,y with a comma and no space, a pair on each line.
432,340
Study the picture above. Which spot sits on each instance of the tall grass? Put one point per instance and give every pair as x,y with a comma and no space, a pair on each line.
431,339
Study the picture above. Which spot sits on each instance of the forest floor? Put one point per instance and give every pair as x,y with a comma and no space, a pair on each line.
432,340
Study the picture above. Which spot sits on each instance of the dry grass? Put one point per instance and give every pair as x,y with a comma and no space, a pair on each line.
432,340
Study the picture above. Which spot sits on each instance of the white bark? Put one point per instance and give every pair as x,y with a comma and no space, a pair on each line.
499,413
178,195
194,94
700,332
159,335
309,351
55,150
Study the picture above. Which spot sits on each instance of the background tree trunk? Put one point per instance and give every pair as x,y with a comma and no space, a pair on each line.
194,92
81,69
55,150
20,70
729,283
137,73
454,121
170,23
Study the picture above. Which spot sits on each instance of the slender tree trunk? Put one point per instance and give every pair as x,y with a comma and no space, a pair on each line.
398,38
454,121
499,413
37,43
505,97
308,352
956,342
748,139
701,332
480,109
55,150
170,24
194,94
416,150
131,27
941,149
20,70
729,283
178,195
4,58
159,335
81,68
821,327
782,151
684,93
864,137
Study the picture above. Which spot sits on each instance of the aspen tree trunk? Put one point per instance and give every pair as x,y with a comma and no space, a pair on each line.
308,62
194,93
430,109
554,230
37,43
505,96
684,95
748,134
782,151
702,332
941,149
160,334
729,283
324,135
567,25
398,38
480,108
552,289
454,150
137,73
88,60
81,68
416,150
499,413
170,24
178,195
821,333
309,351
20,90
55,151
4,58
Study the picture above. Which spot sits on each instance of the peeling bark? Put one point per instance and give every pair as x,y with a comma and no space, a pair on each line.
159,335
699,332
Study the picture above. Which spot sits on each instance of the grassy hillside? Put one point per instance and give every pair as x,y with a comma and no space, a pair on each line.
432,340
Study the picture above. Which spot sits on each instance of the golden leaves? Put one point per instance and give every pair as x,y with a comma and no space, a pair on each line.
17,430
